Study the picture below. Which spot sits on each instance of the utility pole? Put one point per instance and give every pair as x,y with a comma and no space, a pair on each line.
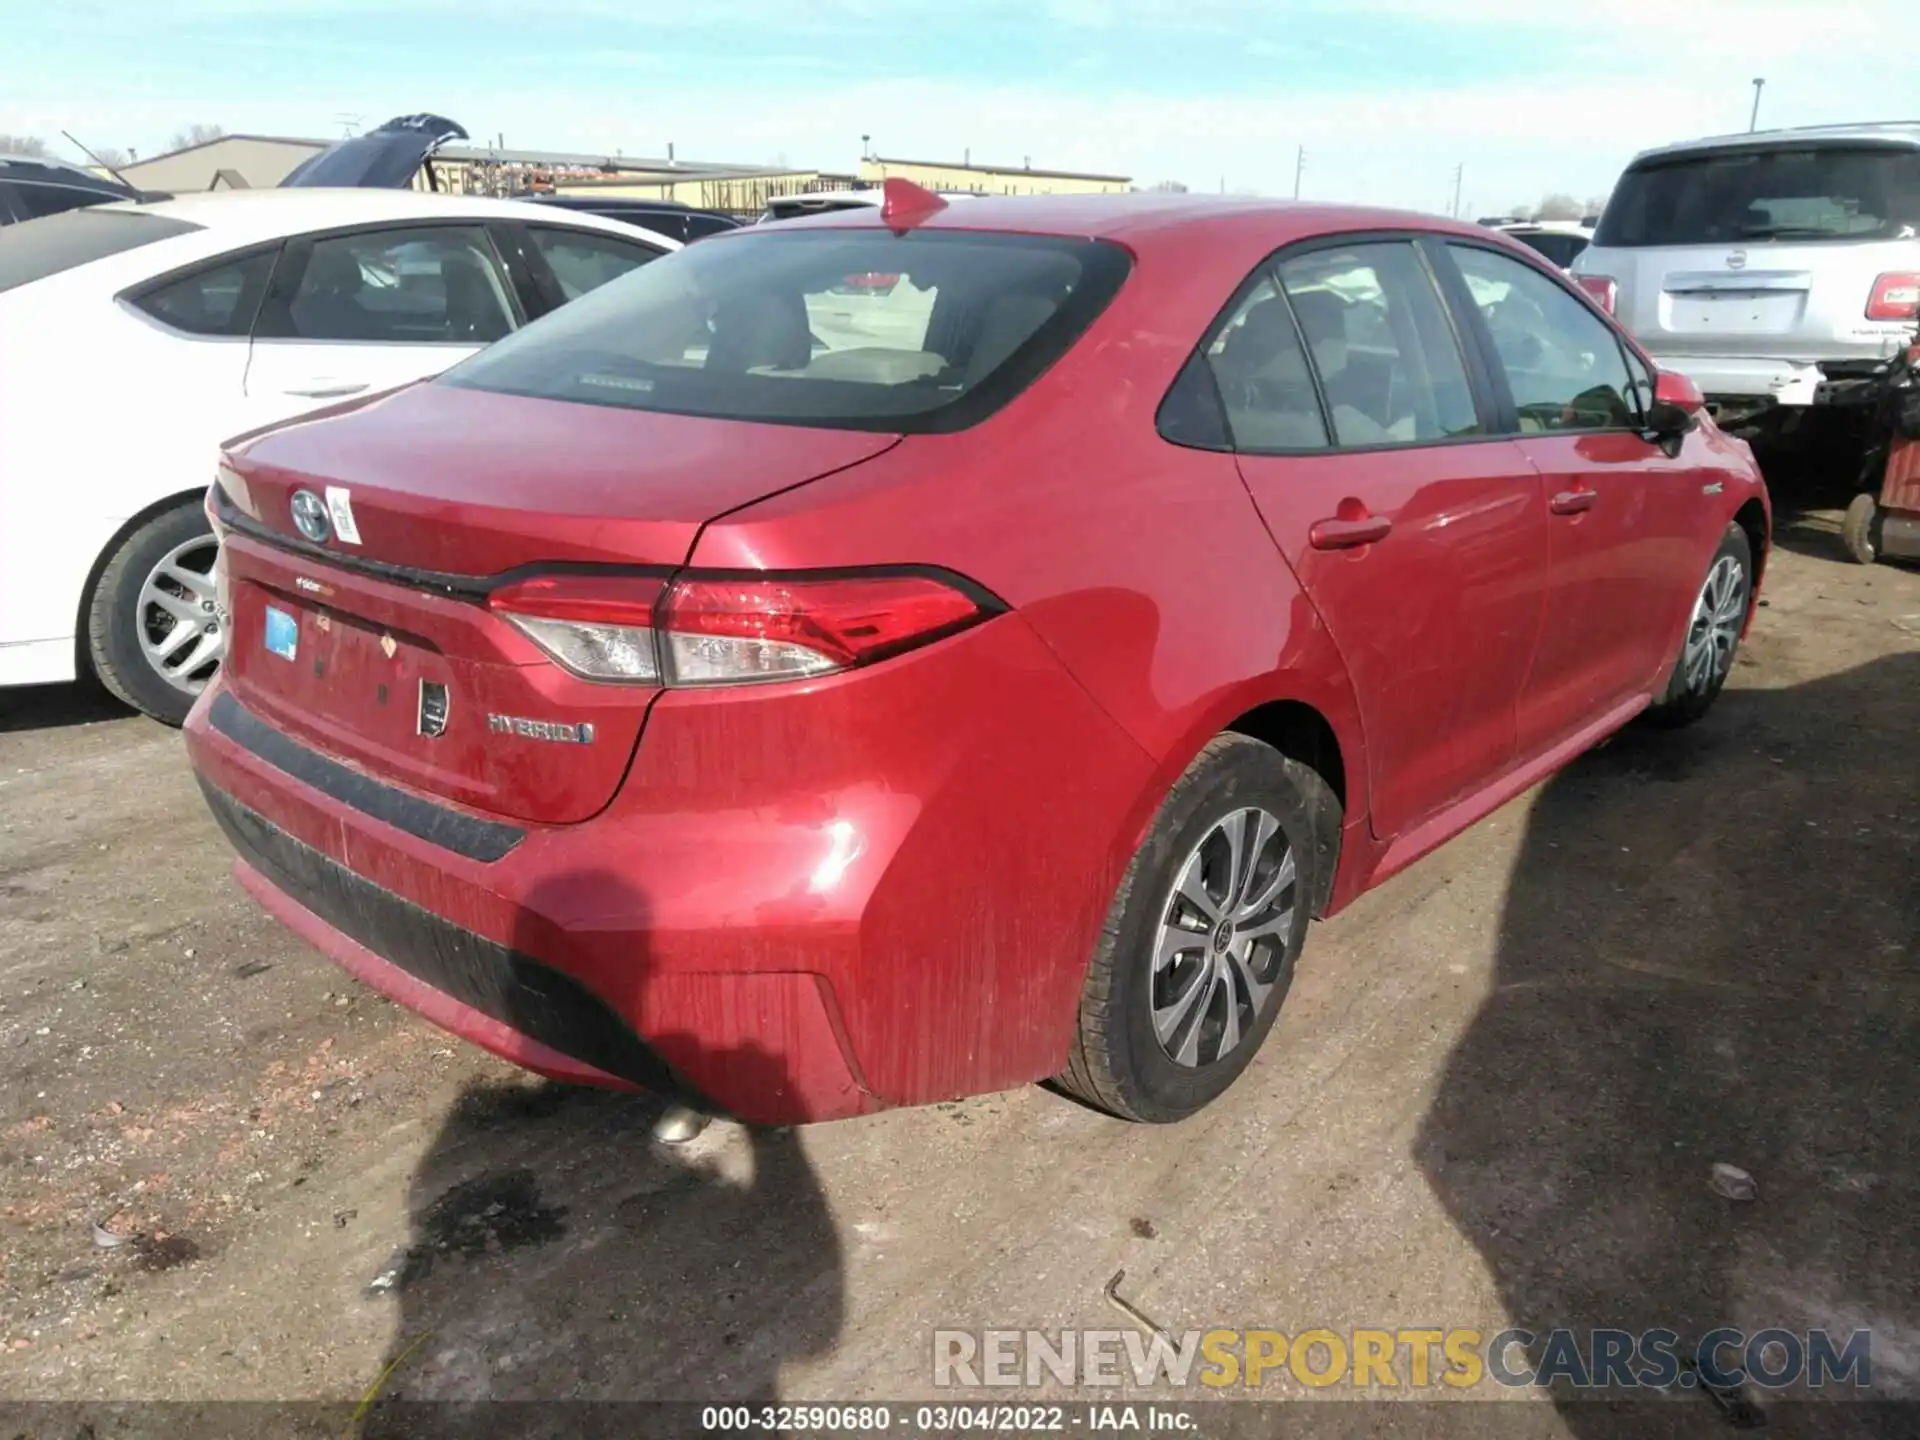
1753,123
1299,164
1459,175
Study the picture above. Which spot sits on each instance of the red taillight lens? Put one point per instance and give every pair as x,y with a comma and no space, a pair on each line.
1895,296
1602,289
723,630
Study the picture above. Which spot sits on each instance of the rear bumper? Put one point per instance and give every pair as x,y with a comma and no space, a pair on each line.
805,902
1751,383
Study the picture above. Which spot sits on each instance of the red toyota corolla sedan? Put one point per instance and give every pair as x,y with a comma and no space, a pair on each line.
804,695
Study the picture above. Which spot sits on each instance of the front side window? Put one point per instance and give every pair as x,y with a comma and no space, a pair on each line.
1382,346
1564,366
218,300
848,329
583,260
433,285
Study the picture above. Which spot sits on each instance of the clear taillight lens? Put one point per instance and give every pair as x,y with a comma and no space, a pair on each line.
734,630
599,627
1895,296
1602,289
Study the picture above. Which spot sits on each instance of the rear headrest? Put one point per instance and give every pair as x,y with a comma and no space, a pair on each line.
752,331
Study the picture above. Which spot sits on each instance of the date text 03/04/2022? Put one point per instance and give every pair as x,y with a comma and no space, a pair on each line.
949,1419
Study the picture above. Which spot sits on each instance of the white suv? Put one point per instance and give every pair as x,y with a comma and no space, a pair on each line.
1780,270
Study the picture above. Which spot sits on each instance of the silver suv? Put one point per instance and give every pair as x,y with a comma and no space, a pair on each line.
1779,270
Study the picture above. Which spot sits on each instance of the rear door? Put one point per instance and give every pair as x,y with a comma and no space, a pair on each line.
1769,251
1622,512
365,310
1418,533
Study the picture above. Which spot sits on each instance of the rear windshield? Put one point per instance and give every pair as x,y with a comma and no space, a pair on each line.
845,329
1808,193
35,249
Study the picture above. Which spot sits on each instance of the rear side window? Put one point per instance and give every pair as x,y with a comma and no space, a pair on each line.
219,300
582,260
1566,369
1261,374
845,329
1389,364
1814,193
437,285
34,250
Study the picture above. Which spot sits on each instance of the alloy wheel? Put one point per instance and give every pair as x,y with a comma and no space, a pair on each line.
1223,938
1715,628
177,618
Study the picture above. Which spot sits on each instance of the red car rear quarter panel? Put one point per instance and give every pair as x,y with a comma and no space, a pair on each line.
900,832
1144,566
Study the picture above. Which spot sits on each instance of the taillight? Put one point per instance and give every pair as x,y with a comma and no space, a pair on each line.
600,627
732,630
1604,292
1895,296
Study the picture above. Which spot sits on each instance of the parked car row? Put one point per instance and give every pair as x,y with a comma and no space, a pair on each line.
157,329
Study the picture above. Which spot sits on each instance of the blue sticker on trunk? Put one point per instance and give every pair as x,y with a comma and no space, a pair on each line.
283,633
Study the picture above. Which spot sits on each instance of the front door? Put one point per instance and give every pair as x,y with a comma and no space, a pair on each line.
1419,535
1621,530
363,311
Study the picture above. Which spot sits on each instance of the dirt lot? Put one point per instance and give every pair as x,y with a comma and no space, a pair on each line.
1496,1094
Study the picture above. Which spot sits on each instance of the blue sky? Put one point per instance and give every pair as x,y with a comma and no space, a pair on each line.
1387,96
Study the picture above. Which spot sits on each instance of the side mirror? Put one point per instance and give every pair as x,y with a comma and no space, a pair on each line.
1676,403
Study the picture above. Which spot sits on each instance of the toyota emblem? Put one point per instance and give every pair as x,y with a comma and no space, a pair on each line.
310,516
1737,260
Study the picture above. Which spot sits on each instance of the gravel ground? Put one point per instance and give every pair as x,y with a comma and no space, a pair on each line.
1496,1096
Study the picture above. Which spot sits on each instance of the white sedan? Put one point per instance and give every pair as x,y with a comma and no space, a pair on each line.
134,338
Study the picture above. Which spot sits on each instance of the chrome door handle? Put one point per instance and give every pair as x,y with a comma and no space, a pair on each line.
1573,502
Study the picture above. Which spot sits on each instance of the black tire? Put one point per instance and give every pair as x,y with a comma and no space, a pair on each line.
114,618
1116,1062
1686,699
1861,529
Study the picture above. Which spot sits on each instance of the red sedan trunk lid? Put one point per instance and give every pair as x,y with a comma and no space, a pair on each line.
471,482
414,680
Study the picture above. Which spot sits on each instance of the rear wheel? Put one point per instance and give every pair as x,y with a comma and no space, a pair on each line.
1861,529
153,633
1199,946
1713,634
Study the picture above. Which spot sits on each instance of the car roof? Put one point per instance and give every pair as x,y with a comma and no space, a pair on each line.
1136,215
243,217
1884,132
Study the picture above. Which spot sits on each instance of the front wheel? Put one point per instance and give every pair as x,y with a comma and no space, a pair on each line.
1199,946
1861,529
153,629
1713,634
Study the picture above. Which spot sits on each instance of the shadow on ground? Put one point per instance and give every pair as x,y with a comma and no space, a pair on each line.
1727,970
561,1256
44,707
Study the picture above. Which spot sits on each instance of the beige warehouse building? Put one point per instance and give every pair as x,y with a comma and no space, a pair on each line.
1022,179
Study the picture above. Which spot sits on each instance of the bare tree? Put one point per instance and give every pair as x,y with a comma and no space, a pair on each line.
111,156
1596,205
197,134
23,145
1559,206
1168,187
